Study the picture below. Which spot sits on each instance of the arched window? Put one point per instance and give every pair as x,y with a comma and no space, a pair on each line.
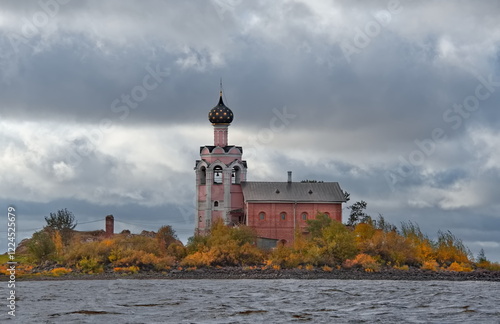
283,216
203,175
218,175
304,216
216,204
327,214
199,219
262,215
236,175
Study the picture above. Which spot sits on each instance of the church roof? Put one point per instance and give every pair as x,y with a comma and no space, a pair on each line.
292,192
226,148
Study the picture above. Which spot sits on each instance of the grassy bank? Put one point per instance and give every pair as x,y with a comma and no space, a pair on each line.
328,247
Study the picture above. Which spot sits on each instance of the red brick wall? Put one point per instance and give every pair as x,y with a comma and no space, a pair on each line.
276,228
236,196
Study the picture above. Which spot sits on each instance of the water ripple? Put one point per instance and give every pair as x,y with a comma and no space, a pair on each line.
256,301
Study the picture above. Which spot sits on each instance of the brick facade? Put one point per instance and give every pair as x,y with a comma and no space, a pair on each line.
273,226
274,209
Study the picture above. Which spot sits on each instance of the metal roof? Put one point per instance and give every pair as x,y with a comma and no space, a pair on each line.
225,148
292,191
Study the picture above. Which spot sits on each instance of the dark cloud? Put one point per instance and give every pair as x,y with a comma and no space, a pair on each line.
104,104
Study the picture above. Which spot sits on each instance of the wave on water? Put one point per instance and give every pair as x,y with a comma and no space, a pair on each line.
251,301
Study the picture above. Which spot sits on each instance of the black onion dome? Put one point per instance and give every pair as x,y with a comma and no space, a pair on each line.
220,114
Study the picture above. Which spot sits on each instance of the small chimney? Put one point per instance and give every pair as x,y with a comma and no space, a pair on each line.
110,225
289,176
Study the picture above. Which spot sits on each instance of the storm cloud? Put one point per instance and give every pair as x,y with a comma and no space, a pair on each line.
104,106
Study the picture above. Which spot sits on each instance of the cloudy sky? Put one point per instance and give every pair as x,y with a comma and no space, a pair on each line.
104,106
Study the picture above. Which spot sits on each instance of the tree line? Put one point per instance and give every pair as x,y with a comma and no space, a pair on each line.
364,242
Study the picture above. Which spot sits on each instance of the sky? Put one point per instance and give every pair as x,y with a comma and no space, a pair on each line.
104,106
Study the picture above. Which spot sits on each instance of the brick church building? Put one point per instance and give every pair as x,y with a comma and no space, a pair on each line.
274,209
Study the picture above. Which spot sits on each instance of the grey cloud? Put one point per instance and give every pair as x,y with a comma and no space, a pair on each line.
354,118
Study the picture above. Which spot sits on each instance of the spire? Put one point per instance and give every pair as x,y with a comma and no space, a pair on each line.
221,102
220,98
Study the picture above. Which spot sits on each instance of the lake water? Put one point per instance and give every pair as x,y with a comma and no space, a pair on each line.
255,301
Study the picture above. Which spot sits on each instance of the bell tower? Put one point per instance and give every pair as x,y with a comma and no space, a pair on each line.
219,174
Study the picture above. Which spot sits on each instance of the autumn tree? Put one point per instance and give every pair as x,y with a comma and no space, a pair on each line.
358,214
166,235
196,243
332,242
451,249
58,243
303,252
41,246
224,246
338,243
315,226
62,221
424,247
384,225
481,257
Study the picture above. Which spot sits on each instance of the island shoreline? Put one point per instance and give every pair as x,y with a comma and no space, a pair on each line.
235,273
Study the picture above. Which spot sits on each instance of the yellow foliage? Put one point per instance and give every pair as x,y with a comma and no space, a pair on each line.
309,267
365,261
390,246
363,232
450,249
225,246
107,242
430,265
137,257
300,242
58,243
177,250
327,268
198,259
60,271
86,250
3,270
424,250
459,267
403,267
26,268
137,250
282,256
89,265
131,269
141,258
115,254
487,265
21,270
